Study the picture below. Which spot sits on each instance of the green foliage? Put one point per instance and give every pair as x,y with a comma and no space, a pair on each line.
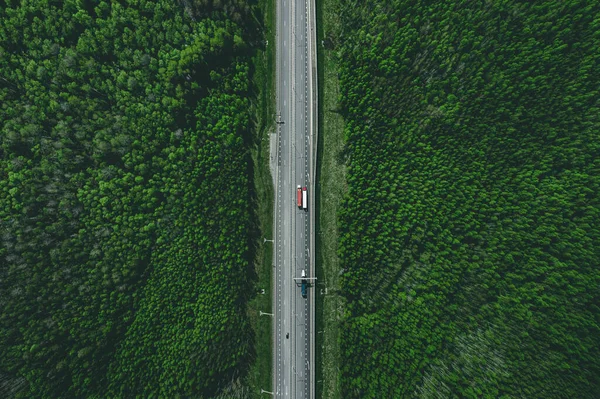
469,237
124,211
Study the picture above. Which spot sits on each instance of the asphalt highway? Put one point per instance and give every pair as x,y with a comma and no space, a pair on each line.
293,327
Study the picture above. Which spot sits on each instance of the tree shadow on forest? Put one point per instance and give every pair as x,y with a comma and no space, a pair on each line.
343,156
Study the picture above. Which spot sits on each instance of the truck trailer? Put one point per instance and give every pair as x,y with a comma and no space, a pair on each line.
303,285
304,201
299,197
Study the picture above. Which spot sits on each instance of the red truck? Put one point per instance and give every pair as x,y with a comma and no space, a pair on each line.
299,197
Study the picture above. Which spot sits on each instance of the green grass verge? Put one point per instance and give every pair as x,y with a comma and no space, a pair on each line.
260,372
331,187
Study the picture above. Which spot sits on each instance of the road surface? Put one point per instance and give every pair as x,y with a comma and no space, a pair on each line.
294,356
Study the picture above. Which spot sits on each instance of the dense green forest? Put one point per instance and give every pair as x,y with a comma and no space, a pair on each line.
469,236
124,197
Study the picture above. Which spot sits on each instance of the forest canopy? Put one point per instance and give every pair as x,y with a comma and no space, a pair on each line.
469,236
124,217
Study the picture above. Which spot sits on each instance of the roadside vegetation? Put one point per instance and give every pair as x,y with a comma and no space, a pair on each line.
469,239
263,111
331,187
125,193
